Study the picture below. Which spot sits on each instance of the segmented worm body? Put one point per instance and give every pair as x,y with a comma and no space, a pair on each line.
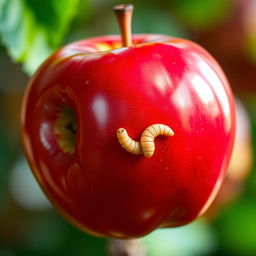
146,145
128,143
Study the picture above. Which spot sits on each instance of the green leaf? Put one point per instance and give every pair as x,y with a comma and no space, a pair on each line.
32,29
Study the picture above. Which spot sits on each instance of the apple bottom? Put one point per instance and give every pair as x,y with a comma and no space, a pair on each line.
115,190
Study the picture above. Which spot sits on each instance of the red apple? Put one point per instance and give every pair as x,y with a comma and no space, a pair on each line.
87,90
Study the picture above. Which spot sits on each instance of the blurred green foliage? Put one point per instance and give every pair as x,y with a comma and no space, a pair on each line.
6,159
48,235
201,14
237,227
32,29
194,239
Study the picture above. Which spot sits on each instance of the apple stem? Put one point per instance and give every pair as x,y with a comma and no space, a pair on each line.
124,16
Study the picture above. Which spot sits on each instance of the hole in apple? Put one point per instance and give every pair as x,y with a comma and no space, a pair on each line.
65,128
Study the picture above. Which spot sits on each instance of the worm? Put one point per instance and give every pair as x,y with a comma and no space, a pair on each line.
128,143
149,134
146,146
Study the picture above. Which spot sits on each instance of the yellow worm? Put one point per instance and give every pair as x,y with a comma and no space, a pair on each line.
146,145
128,143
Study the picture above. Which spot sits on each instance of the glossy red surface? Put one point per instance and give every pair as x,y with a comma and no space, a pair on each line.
102,188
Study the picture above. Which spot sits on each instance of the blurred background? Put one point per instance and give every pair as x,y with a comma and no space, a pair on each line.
32,29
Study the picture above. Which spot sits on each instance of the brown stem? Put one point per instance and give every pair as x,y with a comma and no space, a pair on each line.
124,17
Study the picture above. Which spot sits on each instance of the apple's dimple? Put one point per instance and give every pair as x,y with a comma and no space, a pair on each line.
65,127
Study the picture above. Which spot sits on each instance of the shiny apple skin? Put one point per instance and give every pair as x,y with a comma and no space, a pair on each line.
102,188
